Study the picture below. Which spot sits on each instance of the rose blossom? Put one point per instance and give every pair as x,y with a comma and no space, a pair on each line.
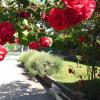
17,40
33,45
73,16
24,14
74,3
6,32
81,38
44,16
57,19
3,53
86,7
45,42
2,41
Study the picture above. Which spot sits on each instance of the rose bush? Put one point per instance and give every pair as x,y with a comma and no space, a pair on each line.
27,15
31,26
75,12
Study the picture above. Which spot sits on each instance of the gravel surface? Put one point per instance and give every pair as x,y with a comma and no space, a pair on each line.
16,85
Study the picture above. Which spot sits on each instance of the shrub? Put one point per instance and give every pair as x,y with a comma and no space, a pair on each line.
25,55
42,63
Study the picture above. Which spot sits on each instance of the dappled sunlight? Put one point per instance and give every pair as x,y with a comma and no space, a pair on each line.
21,90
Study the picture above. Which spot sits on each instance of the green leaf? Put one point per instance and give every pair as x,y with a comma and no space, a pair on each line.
25,33
41,35
25,22
31,37
34,1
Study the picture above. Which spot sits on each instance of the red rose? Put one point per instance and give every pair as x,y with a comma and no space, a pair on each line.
33,45
3,52
86,7
6,32
73,16
2,41
57,19
74,3
45,42
44,16
81,38
2,57
17,40
24,14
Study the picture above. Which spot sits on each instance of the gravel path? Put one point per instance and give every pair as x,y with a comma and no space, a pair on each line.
15,85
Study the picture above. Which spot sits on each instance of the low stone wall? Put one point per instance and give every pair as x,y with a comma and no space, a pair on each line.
60,91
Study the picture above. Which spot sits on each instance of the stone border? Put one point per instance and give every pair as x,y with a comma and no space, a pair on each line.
60,90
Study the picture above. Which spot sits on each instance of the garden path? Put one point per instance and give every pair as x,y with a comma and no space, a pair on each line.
16,85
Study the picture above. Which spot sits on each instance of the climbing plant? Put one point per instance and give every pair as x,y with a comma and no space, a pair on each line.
37,23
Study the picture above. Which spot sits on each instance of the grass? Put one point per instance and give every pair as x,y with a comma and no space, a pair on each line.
64,76
72,80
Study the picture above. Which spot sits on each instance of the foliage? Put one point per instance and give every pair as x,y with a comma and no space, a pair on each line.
31,28
26,18
41,63
25,55
29,18
12,47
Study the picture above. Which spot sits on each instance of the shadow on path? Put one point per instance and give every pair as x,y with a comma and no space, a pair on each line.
19,90
15,84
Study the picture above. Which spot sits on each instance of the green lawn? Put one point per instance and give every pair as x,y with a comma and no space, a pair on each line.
72,80
64,76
